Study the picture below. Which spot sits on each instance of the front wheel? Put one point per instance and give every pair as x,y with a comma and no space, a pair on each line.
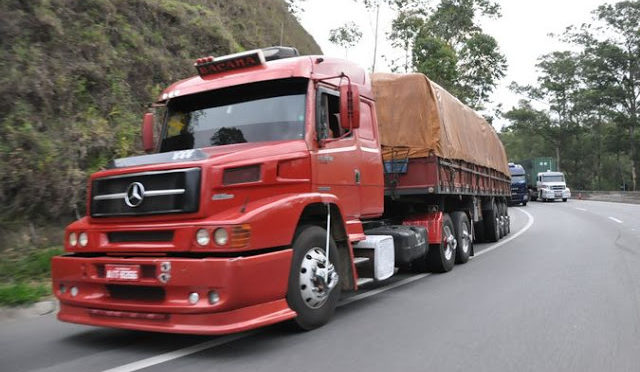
564,199
314,283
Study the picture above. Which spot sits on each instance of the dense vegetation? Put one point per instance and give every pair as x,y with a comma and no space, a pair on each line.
585,109
76,77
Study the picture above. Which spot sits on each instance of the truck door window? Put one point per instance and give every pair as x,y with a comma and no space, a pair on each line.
366,122
328,117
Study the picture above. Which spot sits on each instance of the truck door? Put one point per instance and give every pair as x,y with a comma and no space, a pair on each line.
372,175
335,163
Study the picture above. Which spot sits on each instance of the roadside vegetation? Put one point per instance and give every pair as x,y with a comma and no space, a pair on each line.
585,108
24,278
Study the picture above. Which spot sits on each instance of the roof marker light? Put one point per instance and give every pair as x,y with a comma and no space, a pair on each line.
211,66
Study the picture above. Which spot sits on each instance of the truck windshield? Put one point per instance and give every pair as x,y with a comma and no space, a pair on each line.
558,178
517,178
265,111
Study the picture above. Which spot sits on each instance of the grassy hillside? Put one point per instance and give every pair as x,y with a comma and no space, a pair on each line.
76,75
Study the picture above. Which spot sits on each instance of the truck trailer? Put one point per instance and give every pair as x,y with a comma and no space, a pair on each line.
275,183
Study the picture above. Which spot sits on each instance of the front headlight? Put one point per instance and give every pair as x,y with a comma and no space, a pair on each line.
73,239
202,237
83,239
220,236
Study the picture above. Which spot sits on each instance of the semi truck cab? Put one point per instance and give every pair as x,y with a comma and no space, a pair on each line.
519,191
552,186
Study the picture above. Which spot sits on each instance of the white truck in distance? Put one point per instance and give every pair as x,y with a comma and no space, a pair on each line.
551,186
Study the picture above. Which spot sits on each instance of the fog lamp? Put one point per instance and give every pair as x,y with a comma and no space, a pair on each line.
214,297
194,297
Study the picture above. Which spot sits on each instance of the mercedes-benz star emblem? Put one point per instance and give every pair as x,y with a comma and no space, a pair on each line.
134,195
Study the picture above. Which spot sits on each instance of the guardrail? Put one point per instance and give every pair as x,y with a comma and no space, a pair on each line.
610,196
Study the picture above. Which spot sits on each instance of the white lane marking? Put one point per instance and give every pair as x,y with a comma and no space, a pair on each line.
615,219
581,209
411,279
166,357
162,358
376,291
498,244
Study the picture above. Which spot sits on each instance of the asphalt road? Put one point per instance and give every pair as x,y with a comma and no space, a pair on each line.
560,293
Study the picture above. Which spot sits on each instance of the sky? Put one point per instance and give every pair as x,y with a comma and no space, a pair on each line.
522,34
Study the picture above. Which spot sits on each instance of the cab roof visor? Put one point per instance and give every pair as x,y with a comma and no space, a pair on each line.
279,52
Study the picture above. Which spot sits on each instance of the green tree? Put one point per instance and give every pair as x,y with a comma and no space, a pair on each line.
612,52
473,62
404,30
345,36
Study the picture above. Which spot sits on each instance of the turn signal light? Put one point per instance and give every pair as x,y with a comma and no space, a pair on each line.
240,236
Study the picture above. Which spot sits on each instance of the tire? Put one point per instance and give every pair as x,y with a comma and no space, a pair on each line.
564,200
524,204
478,230
312,308
463,236
507,222
491,225
442,257
502,226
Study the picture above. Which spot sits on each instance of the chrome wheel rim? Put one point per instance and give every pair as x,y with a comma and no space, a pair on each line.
450,242
465,242
317,279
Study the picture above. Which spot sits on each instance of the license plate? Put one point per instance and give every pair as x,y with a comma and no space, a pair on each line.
122,272
558,194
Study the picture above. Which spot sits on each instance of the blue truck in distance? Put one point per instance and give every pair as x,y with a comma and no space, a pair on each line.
519,191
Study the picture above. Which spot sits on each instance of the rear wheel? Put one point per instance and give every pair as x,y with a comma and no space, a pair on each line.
505,214
478,231
492,224
314,283
441,257
507,221
463,236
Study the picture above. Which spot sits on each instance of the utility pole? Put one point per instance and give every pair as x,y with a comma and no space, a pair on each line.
375,45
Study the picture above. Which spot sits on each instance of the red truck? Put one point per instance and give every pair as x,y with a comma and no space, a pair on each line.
277,182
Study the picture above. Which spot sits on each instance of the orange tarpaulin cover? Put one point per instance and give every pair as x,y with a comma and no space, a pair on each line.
417,113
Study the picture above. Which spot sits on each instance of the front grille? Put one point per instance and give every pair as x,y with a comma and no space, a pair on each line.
136,293
557,187
140,236
163,192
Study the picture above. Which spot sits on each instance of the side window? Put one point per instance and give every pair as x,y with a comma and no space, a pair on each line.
366,122
328,115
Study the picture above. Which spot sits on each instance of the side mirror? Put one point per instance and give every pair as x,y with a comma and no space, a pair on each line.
148,144
349,106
